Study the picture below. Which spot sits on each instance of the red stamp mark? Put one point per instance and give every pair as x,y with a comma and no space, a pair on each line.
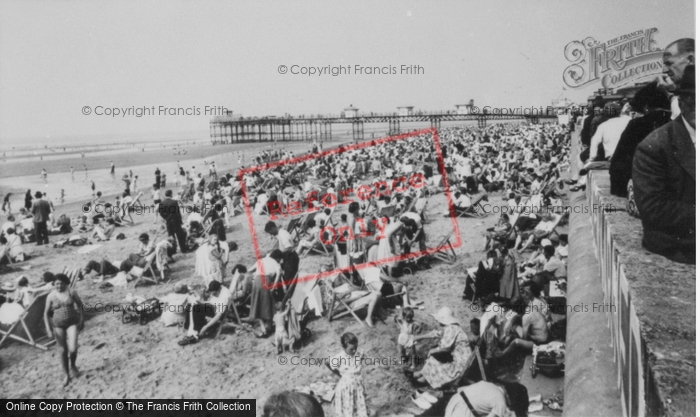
313,202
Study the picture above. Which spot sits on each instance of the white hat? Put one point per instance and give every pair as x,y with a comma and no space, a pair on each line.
444,316
546,242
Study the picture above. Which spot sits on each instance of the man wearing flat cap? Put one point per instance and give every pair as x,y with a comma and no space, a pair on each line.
40,215
664,180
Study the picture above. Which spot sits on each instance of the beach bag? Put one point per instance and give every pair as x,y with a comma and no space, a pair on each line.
142,313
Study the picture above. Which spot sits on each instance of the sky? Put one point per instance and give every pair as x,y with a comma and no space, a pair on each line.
56,57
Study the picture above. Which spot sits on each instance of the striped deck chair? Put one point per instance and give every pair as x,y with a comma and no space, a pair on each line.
75,275
29,327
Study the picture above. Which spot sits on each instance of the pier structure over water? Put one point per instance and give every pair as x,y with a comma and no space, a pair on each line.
232,128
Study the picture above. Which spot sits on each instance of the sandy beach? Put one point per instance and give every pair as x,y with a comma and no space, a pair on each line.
133,361
18,175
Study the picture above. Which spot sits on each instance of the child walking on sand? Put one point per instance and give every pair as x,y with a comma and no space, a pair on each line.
280,320
407,342
349,399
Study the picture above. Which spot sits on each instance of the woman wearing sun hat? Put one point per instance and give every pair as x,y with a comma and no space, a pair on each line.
448,361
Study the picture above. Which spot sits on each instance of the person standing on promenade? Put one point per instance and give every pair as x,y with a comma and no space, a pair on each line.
134,186
86,173
92,186
40,210
45,175
677,55
157,176
111,169
72,174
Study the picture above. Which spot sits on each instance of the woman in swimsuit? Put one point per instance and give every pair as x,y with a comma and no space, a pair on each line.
67,322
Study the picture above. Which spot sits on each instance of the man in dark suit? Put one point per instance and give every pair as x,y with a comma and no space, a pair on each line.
656,109
664,180
169,210
40,211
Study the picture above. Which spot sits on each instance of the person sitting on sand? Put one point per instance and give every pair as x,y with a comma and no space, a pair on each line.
495,234
9,224
462,203
22,294
448,361
62,226
104,230
527,331
12,246
309,239
542,229
213,304
26,227
146,250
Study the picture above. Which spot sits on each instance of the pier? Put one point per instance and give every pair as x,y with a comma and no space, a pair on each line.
233,128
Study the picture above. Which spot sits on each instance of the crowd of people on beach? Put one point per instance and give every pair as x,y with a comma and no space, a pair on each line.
366,206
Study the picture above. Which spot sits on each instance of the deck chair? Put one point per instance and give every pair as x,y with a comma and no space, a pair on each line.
516,215
552,229
231,316
303,291
320,247
294,229
446,254
339,260
29,327
474,357
476,209
387,211
6,254
340,307
140,273
409,207
305,222
74,274
374,272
